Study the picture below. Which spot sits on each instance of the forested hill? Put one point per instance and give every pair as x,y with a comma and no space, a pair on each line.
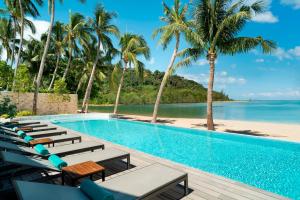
137,91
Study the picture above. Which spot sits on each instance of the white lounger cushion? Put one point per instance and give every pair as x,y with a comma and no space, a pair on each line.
96,156
141,182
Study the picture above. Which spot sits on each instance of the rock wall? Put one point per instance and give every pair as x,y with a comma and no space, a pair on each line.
47,103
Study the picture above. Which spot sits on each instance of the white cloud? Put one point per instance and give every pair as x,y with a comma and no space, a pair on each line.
41,27
295,51
294,3
281,54
266,17
202,62
260,60
221,79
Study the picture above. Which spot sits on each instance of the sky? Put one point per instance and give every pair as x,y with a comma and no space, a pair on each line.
253,75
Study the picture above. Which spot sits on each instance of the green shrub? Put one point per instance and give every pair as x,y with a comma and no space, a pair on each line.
23,80
60,87
5,116
24,113
7,108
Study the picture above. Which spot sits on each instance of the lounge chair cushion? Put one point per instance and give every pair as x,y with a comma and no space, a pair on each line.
94,191
41,149
22,134
28,138
57,161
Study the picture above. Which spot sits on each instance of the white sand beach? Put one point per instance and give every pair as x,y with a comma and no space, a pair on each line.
280,131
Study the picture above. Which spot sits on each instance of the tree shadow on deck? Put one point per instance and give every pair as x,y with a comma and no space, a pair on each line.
205,125
162,121
247,132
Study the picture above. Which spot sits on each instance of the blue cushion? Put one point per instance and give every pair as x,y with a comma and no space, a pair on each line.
57,161
22,134
28,138
94,191
41,149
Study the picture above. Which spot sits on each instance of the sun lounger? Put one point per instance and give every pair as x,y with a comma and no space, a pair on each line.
19,123
54,139
104,155
108,154
29,125
39,134
58,150
33,129
144,183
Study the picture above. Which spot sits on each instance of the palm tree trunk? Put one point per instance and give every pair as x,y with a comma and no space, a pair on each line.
119,89
87,95
210,122
69,63
164,81
41,70
12,58
79,85
7,57
54,73
21,42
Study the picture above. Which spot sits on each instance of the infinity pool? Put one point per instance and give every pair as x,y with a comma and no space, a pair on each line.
266,164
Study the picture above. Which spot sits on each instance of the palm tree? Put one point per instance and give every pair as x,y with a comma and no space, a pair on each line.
6,35
76,30
218,23
19,11
58,35
42,65
101,24
176,24
132,46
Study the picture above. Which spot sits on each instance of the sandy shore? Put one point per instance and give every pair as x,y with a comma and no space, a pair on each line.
289,132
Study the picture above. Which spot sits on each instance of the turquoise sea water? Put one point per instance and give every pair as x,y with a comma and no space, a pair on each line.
269,111
266,164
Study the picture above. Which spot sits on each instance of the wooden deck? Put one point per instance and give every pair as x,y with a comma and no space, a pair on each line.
202,185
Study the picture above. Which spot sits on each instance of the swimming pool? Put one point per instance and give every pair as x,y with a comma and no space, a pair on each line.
266,164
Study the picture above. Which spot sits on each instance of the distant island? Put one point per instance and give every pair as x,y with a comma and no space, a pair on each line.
144,90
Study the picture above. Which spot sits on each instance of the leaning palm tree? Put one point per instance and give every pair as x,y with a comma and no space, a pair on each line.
101,24
218,23
77,30
176,24
42,65
58,35
132,46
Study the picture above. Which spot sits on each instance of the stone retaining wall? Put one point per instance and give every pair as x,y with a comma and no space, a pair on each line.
47,103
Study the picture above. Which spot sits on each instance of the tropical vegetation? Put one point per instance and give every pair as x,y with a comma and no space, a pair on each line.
91,57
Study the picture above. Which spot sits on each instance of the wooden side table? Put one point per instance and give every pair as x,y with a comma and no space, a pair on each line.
41,141
81,170
24,128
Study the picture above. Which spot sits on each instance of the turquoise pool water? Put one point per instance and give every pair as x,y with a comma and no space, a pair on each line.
266,164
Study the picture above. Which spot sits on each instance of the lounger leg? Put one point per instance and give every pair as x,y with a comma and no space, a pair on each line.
72,141
103,175
128,161
62,178
186,186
